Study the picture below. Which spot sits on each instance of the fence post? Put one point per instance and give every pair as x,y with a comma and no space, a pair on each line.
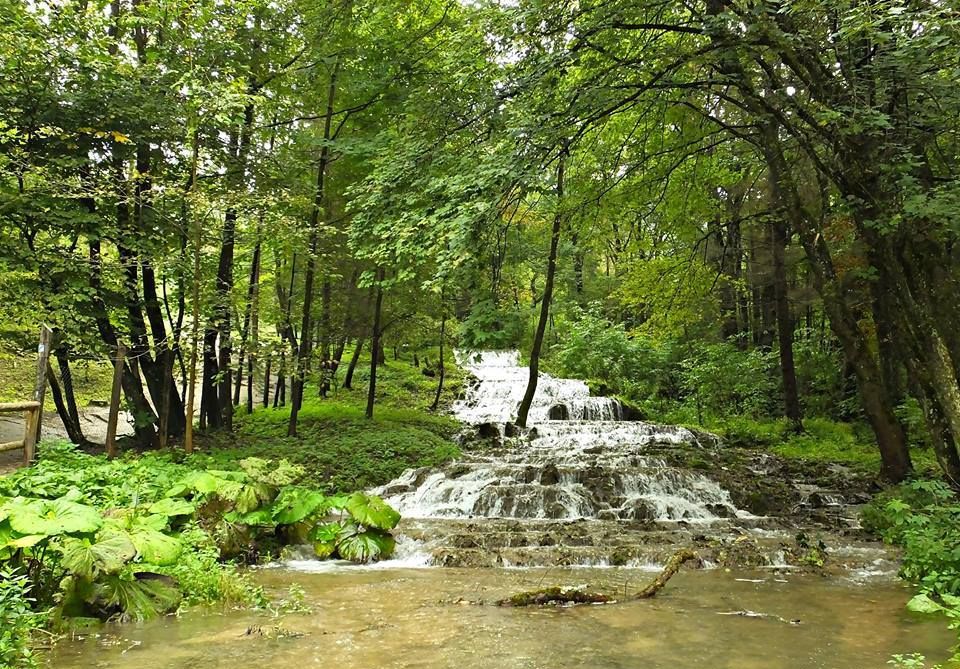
34,417
111,441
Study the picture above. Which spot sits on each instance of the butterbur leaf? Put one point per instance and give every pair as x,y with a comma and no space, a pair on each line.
371,511
172,507
251,496
295,504
28,541
261,516
951,600
923,604
52,517
367,546
338,501
324,538
137,597
106,556
156,547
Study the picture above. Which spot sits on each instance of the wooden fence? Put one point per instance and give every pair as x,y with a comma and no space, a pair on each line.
33,409
33,416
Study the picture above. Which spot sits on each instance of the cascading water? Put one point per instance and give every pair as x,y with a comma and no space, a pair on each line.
579,460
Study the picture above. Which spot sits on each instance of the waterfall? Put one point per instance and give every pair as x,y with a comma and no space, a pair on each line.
580,460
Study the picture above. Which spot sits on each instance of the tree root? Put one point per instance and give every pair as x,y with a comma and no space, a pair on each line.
573,596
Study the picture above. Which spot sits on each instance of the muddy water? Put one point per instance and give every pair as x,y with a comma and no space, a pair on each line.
371,618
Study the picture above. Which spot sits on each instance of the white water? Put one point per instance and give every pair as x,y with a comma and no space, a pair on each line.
595,466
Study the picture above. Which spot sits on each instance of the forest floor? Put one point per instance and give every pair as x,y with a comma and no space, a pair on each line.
337,445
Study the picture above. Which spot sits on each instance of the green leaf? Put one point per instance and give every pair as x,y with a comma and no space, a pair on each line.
367,546
923,604
295,504
371,511
52,517
155,547
106,556
144,595
172,507
27,541
324,538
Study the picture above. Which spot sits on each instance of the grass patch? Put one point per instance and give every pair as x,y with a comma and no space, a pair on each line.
337,445
91,380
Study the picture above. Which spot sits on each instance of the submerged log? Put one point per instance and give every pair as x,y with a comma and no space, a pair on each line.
554,595
572,596
673,566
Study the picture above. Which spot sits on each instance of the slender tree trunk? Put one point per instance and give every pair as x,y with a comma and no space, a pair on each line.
302,362
70,423
62,353
354,359
191,383
443,329
375,343
266,381
531,390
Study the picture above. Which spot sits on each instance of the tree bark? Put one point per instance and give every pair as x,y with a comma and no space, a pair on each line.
531,390
354,359
375,343
302,362
788,372
443,328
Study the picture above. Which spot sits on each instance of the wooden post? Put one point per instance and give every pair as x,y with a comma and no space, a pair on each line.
111,441
34,417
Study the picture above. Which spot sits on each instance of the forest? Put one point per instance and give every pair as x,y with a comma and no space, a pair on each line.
292,227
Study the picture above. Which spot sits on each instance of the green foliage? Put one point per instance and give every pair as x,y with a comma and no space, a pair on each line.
170,542
924,518
597,349
371,511
17,622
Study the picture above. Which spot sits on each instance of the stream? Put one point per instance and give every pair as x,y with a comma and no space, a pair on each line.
585,497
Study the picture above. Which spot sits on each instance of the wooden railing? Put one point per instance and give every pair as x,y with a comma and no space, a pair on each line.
31,427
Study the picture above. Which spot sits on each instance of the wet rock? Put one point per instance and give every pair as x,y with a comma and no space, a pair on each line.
630,412
488,431
547,540
549,475
558,412
456,471
638,509
511,430
721,510
823,499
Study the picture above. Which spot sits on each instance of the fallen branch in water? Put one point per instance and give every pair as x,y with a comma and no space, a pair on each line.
572,596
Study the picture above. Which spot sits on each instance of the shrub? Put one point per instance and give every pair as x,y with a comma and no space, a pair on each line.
17,622
924,518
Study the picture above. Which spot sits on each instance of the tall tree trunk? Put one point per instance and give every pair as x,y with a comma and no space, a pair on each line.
791,398
302,362
252,287
375,343
877,404
531,390
254,329
266,380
